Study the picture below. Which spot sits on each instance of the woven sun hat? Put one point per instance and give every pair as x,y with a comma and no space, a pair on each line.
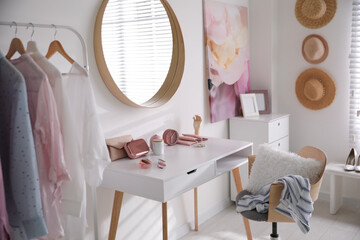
315,49
315,13
315,89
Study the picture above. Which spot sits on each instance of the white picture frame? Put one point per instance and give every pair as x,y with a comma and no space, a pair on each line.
249,105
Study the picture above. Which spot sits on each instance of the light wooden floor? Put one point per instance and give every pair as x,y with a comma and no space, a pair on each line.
227,225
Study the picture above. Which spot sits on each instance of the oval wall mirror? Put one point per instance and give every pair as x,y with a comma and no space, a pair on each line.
139,50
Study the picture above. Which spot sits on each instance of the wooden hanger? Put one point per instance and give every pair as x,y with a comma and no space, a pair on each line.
15,46
55,46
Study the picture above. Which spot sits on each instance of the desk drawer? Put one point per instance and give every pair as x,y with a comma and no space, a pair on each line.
188,181
278,129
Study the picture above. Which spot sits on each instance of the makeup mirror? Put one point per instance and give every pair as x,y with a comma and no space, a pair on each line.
139,50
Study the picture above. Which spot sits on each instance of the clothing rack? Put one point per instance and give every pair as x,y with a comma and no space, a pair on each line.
55,27
86,66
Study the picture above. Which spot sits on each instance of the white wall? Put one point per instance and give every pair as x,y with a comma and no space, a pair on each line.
276,61
136,222
327,128
262,53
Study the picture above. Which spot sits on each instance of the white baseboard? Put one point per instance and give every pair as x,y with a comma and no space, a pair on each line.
348,202
203,217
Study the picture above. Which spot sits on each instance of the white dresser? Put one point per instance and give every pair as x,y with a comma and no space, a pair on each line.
267,128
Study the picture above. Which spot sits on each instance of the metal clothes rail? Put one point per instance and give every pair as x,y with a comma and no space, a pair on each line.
55,27
86,66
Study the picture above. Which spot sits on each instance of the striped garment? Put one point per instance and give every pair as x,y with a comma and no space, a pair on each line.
295,200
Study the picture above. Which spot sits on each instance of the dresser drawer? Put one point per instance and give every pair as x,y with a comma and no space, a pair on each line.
188,181
281,144
278,129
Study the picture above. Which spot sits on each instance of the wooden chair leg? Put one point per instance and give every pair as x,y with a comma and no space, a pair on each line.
239,188
196,216
115,214
164,218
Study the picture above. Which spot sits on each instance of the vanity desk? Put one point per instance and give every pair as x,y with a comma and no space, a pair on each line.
187,168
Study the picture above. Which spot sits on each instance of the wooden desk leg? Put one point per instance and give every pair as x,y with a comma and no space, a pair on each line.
115,214
239,188
196,210
164,218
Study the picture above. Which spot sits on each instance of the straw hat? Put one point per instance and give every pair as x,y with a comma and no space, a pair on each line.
315,49
315,13
315,89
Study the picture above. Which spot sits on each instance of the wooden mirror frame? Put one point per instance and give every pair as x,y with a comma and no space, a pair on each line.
176,69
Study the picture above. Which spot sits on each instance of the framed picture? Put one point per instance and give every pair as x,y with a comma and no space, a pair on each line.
262,100
248,105
227,55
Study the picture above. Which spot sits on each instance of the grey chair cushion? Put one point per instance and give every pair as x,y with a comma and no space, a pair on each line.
253,214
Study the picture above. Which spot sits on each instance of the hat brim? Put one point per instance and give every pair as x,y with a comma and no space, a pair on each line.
328,84
307,22
326,49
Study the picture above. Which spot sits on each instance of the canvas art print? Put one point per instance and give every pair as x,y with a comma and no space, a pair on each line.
227,53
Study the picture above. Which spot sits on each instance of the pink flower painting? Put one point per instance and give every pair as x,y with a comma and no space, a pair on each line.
227,53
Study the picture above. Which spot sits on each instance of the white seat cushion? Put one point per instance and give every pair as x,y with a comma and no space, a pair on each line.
271,164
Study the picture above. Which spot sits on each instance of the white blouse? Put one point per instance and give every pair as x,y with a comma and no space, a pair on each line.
87,136
88,131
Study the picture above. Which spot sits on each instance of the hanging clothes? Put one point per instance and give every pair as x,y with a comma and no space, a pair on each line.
88,133
48,140
95,156
18,158
55,230
4,219
70,204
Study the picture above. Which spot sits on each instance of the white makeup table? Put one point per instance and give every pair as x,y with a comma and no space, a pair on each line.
187,168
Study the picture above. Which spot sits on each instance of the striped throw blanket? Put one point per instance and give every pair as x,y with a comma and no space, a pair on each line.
295,201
